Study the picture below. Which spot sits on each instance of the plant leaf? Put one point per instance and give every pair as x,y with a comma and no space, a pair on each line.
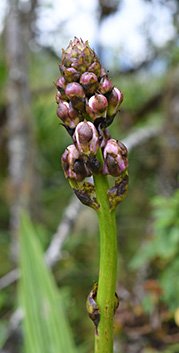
45,326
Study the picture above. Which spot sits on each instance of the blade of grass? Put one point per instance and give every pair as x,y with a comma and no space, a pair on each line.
46,329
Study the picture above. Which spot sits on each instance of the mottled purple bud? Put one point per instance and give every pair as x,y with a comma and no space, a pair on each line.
98,105
114,101
88,53
95,67
73,50
105,85
68,114
62,110
115,158
86,138
74,89
85,56
89,81
61,84
70,74
80,64
73,164
76,94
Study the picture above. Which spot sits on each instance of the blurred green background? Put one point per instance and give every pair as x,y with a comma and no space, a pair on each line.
138,42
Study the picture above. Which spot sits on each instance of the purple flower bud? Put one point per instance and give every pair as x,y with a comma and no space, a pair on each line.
86,138
70,74
74,89
61,84
105,85
68,114
76,49
76,94
73,164
62,110
80,64
73,50
88,53
95,67
89,81
114,101
115,158
98,105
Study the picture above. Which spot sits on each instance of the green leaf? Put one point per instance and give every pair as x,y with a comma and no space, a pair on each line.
170,284
45,326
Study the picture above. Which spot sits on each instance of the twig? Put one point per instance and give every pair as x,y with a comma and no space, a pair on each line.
141,136
8,279
53,253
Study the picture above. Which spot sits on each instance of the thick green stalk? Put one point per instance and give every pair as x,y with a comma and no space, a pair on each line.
108,266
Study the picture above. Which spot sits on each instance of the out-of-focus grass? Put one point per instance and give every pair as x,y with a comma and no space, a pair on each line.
45,326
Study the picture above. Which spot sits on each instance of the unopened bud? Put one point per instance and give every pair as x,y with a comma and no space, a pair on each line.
97,105
74,89
115,158
89,81
73,50
95,67
70,74
61,84
62,110
75,92
68,114
86,138
73,164
105,85
114,101
88,53
80,64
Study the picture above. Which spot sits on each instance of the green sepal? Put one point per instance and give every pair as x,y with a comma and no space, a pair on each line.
118,192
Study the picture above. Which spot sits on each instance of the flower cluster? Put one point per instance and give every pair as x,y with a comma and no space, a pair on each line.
87,104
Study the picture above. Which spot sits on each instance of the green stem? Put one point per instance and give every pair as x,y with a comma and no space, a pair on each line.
108,266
